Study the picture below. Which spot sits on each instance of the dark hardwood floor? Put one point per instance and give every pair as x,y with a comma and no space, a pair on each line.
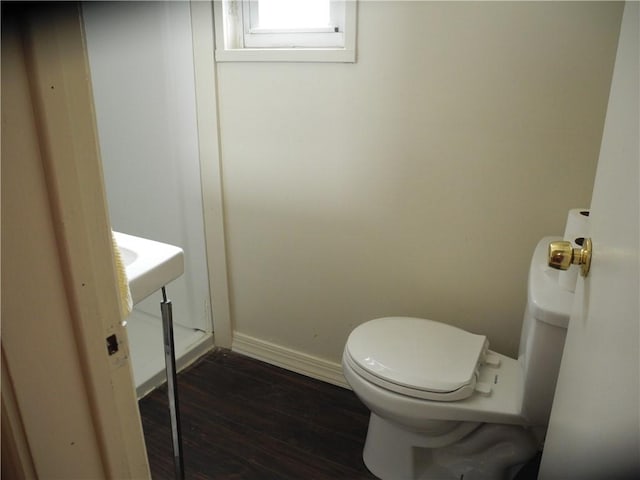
245,419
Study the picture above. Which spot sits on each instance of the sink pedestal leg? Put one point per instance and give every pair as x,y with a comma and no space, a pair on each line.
172,385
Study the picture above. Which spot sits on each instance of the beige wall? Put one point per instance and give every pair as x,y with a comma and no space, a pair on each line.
418,180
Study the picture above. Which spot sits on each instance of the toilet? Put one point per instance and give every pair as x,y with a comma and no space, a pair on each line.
443,404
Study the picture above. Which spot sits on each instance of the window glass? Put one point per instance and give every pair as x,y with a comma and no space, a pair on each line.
288,14
285,30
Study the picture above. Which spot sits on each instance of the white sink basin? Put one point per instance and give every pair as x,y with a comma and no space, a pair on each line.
150,265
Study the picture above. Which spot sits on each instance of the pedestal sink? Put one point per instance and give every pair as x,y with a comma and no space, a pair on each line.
150,265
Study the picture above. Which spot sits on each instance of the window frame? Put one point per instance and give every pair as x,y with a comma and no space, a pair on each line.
239,39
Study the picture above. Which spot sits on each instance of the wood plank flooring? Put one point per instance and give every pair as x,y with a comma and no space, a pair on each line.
243,419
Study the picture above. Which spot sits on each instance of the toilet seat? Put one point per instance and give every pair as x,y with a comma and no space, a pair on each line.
417,357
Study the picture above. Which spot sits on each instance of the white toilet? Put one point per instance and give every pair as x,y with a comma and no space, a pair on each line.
444,406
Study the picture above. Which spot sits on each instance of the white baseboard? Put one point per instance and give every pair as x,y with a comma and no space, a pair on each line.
289,359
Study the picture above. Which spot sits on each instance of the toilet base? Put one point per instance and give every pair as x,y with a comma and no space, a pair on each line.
469,451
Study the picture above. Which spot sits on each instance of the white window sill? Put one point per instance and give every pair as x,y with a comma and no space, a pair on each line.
338,55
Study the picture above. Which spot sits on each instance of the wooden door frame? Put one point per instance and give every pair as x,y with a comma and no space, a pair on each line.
48,43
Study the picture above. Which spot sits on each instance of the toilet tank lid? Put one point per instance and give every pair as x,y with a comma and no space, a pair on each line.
548,301
418,353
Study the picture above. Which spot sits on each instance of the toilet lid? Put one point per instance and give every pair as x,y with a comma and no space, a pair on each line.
417,357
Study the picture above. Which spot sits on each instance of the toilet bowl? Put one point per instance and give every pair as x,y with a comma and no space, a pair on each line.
443,405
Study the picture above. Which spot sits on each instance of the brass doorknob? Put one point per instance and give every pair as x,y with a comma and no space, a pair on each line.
562,255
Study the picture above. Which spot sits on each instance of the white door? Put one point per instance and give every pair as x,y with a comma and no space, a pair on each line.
594,431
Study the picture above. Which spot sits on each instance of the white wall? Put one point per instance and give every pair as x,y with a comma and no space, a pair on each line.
142,72
418,180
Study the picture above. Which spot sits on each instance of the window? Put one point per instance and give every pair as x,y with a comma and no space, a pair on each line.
285,30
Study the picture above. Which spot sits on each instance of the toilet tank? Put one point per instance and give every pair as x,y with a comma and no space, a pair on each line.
543,333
